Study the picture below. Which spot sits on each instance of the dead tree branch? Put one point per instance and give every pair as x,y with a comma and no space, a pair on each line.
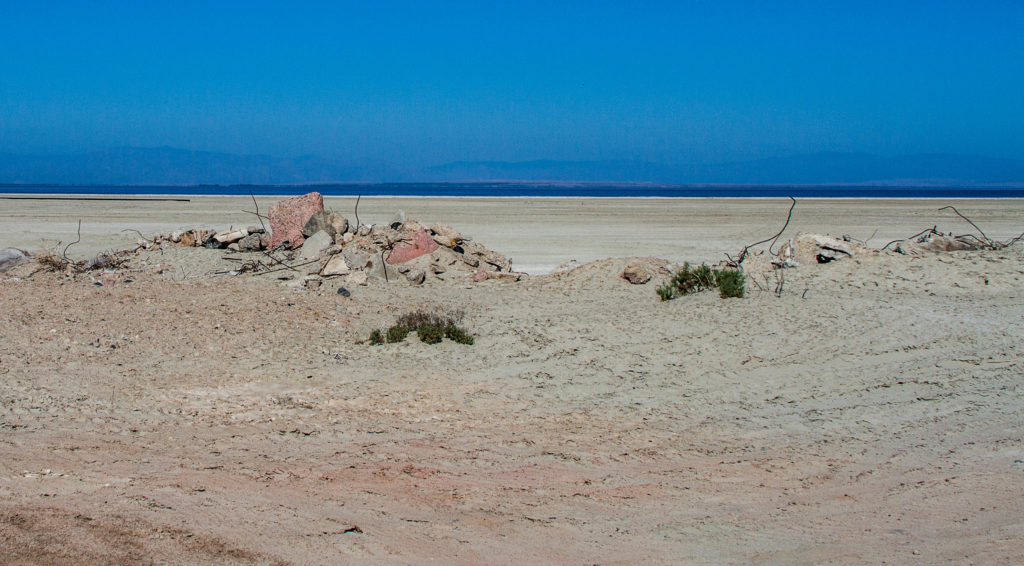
257,213
738,262
985,238
64,254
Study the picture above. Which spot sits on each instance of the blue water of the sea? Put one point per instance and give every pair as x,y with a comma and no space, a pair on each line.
512,189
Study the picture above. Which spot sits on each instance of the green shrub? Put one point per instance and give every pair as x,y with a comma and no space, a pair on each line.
459,335
431,327
730,282
397,333
667,291
430,333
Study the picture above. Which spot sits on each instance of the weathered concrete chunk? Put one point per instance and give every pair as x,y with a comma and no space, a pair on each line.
289,216
446,235
356,278
315,244
250,243
636,274
336,266
419,244
326,220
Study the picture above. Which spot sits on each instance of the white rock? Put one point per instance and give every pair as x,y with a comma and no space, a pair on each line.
231,236
357,278
336,266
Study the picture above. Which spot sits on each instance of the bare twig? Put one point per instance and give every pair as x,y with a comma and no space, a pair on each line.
257,213
969,221
357,212
140,234
286,267
932,230
64,254
738,262
1015,240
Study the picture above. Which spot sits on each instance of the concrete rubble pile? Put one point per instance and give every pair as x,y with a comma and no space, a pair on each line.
304,239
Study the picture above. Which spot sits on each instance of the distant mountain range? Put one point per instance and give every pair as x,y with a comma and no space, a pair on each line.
170,166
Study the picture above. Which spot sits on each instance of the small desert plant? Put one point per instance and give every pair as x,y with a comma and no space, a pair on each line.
457,334
397,333
730,282
430,333
430,326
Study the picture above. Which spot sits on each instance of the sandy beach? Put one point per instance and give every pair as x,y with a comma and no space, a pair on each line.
870,412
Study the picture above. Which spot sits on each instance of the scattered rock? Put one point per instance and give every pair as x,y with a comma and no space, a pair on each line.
336,266
251,243
636,274
289,216
445,235
357,278
416,276
230,236
344,292
315,244
328,221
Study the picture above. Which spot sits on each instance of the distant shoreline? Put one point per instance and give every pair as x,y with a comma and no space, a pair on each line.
523,190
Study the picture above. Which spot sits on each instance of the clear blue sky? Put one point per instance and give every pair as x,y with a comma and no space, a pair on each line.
430,82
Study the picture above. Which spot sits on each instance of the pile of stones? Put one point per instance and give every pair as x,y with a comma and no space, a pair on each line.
323,244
